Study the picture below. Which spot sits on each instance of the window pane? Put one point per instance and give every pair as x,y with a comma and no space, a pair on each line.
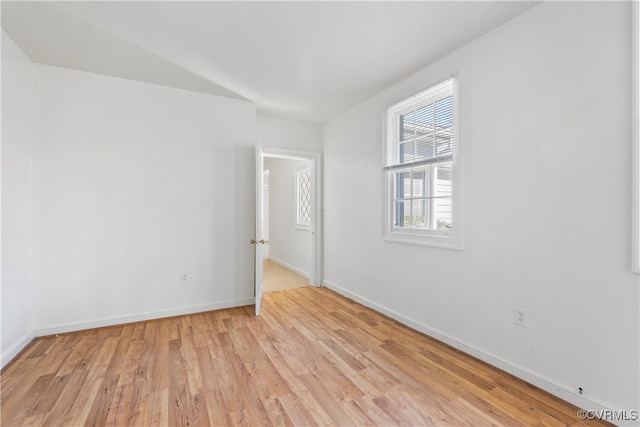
420,213
442,201
406,151
402,185
444,171
442,213
442,185
402,207
425,133
420,185
425,149
444,127
304,197
424,119
407,126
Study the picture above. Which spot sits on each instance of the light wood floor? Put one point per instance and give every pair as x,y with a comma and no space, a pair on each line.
311,358
277,277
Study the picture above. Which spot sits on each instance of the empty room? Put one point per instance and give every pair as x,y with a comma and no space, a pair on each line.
454,186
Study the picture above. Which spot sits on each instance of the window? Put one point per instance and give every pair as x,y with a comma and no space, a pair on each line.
421,168
303,197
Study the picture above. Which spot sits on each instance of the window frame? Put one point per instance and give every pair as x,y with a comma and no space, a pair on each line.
434,238
303,225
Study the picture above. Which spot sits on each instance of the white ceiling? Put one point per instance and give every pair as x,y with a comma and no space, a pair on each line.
309,61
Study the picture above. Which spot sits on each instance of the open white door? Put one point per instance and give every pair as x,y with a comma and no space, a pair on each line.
258,242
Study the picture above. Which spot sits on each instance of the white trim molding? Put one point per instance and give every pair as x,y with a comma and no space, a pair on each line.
114,321
635,123
9,354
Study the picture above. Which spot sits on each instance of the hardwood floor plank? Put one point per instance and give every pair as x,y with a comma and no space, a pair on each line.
100,365
343,354
330,402
67,397
215,408
158,409
102,403
270,384
39,347
400,414
373,412
33,396
20,383
186,407
47,363
79,357
356,415
471,415
312,358
118,414
137,410
303,414
277,415
158,370
81,406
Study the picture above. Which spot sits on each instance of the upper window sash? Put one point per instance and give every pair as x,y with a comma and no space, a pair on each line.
421,128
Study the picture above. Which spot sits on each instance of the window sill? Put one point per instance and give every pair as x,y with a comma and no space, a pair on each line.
444,242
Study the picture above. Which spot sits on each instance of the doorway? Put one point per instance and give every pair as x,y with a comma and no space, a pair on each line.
312,214
286,222
290,211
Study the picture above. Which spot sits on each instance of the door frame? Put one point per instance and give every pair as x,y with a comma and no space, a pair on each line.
315,273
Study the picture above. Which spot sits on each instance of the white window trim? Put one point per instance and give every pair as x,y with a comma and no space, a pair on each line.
635,123
433,238
301,225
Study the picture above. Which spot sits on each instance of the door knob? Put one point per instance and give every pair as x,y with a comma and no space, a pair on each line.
253,242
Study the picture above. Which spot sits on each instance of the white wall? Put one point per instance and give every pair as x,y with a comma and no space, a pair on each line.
289,245
289,134
133,184
17,115
545,116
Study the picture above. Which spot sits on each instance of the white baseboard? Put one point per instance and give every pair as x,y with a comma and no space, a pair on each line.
558,390
15,349
289,267
79,326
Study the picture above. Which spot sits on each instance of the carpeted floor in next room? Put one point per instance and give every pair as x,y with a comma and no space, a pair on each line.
277,277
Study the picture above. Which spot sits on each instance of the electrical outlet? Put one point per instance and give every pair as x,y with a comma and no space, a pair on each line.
520,317
184,278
